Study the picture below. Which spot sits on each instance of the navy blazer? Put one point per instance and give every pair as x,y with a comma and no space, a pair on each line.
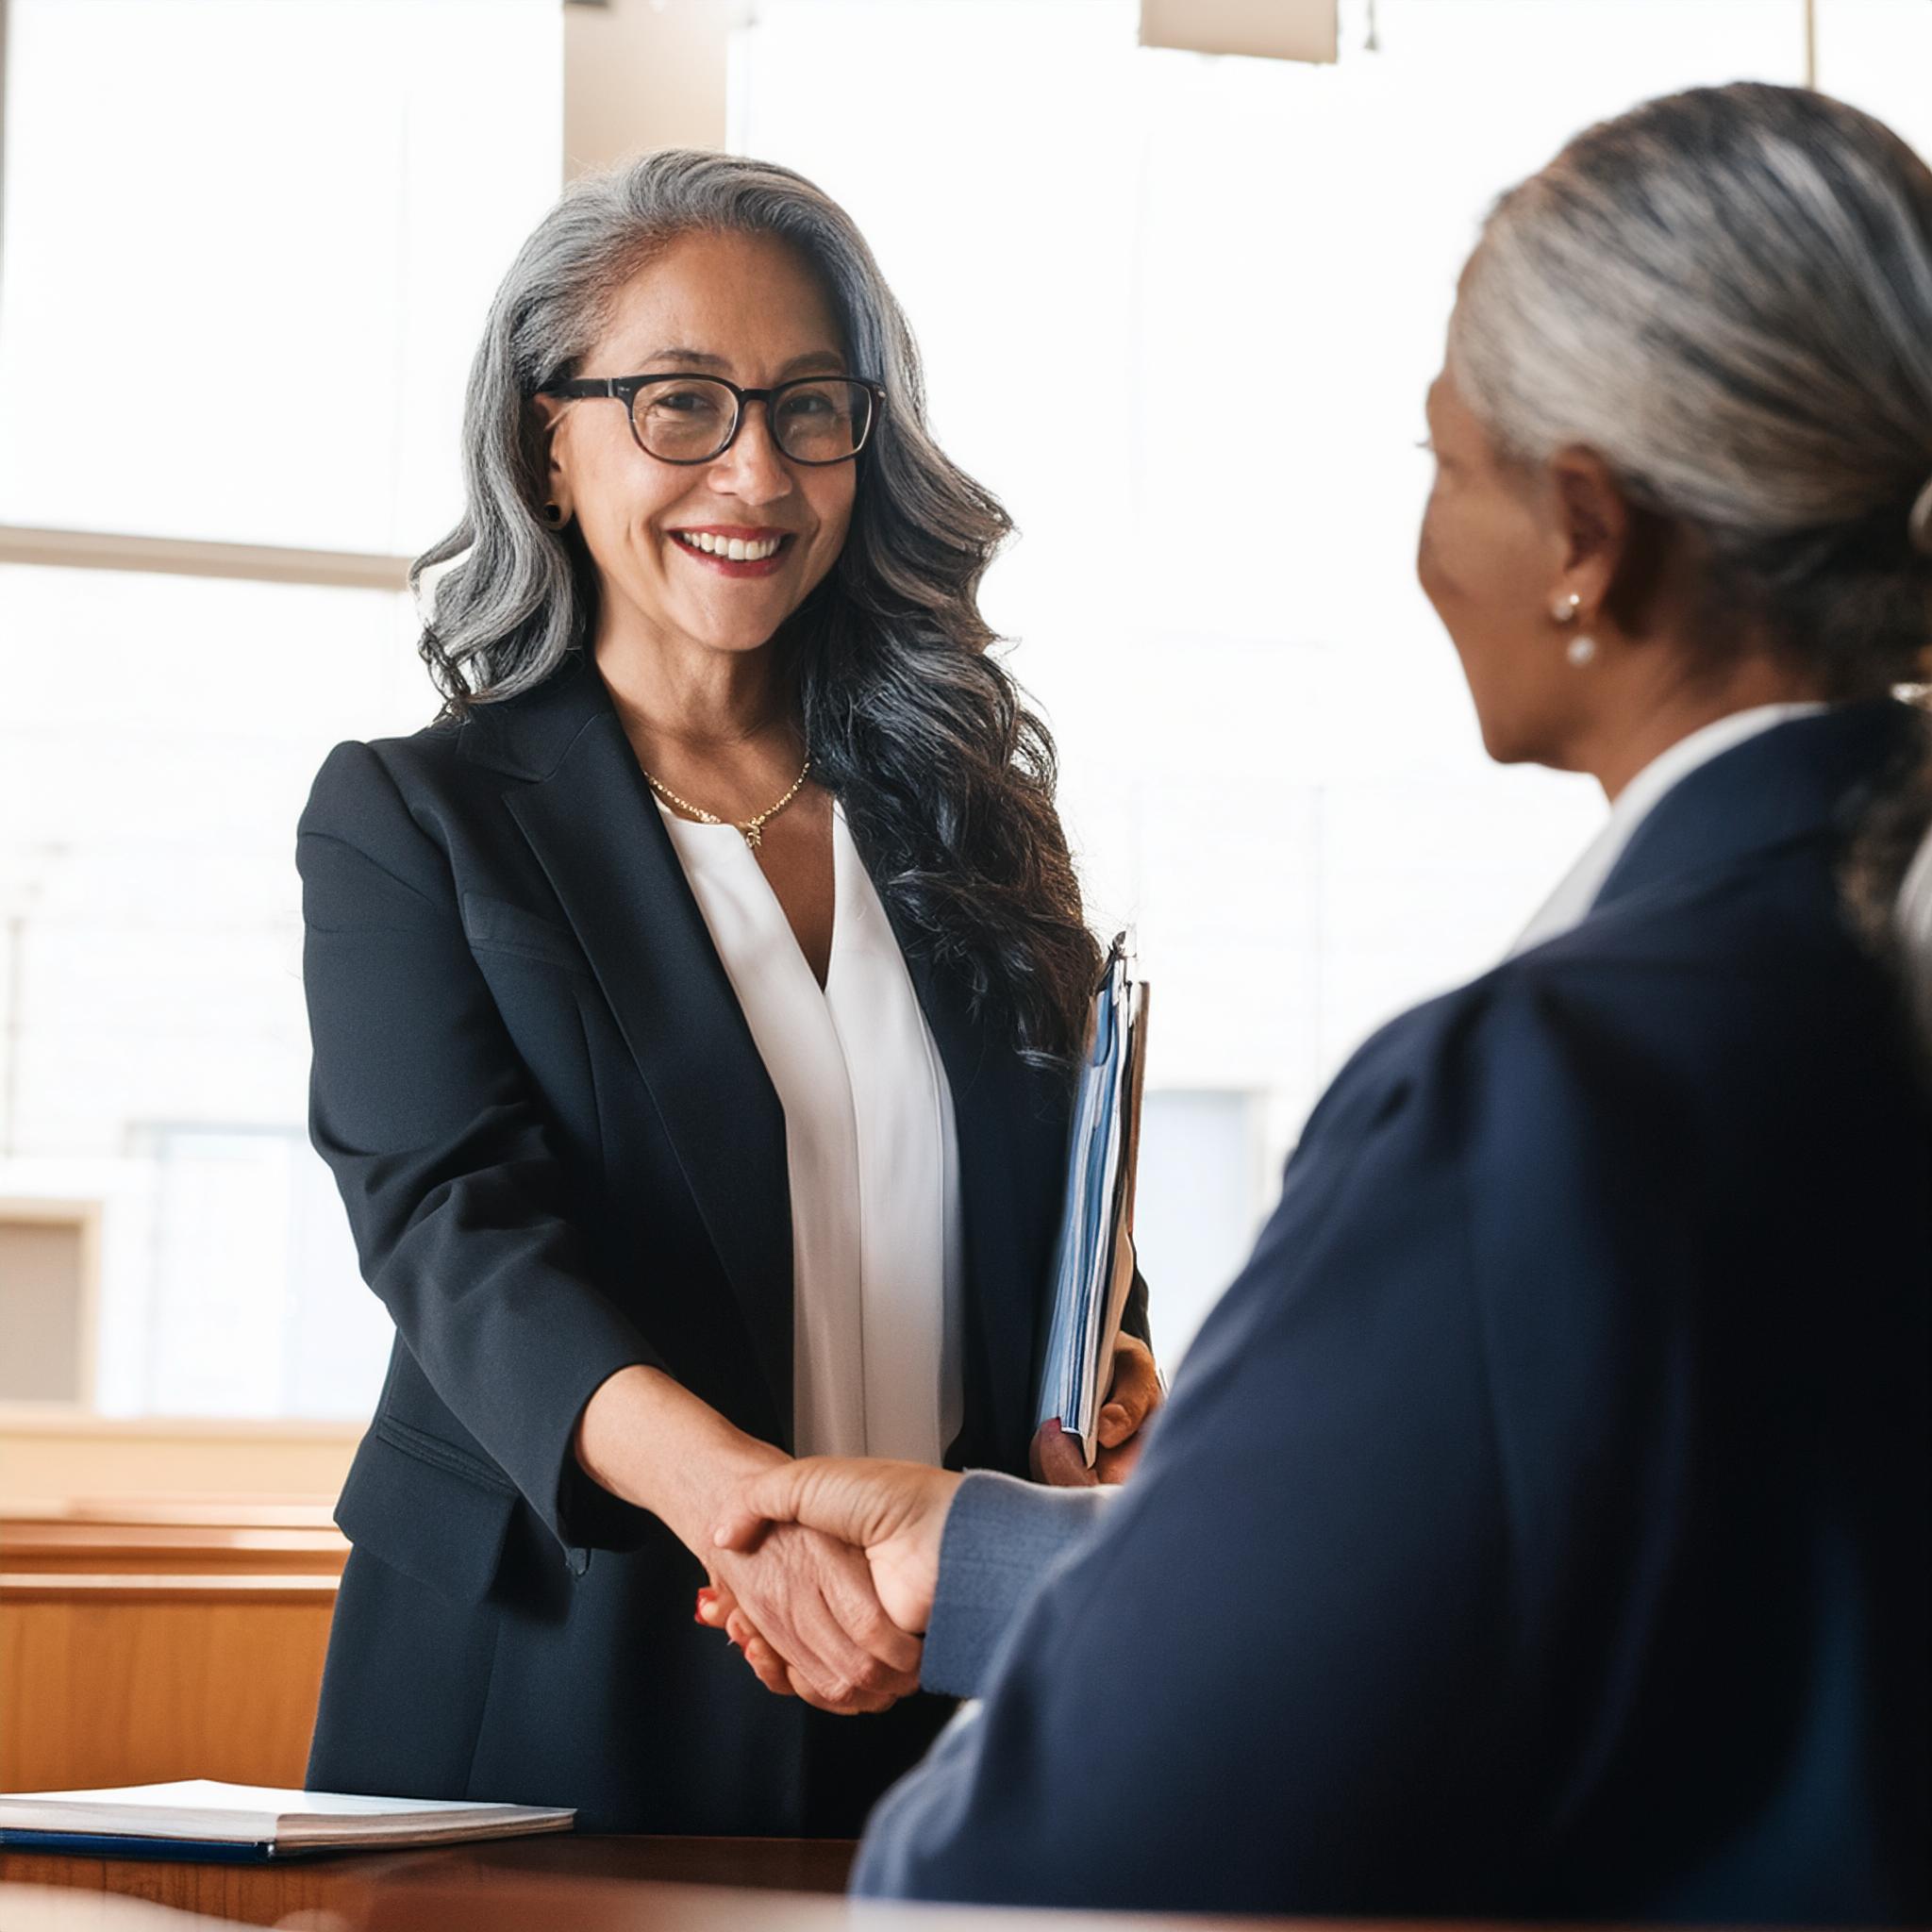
1541,1524
561,1154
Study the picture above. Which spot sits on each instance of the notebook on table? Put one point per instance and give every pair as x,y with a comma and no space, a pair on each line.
247,1824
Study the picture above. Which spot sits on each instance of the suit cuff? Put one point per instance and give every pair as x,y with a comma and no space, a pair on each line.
1001,1536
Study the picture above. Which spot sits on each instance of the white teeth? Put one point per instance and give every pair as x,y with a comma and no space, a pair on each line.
734,549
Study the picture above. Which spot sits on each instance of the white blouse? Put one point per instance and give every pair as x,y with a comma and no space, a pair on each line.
872,1148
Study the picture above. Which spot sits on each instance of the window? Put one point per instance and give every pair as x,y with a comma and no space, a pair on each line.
247,252
236,316
1179,314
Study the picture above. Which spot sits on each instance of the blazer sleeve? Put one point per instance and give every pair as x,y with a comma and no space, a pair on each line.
456,1198
1291,1668
1002,1538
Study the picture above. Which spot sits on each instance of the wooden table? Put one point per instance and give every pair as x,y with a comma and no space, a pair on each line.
566,1883
264,1894
573,1884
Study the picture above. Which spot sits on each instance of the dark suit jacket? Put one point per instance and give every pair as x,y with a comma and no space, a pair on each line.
561,1154
1541,1524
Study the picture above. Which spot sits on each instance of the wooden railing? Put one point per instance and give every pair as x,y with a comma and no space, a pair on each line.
148,1639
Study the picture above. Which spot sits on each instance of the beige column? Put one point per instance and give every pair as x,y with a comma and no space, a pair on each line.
643,74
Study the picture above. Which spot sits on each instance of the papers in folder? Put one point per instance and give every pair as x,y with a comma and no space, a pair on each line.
1093,1264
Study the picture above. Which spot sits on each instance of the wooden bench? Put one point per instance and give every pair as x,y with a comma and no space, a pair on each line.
149,1640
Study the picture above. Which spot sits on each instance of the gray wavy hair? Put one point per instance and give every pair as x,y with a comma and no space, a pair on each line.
946,778
1727,294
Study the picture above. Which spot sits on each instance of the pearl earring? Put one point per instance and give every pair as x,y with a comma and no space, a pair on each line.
1580,649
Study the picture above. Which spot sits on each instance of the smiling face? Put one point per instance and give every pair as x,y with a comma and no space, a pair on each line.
715,554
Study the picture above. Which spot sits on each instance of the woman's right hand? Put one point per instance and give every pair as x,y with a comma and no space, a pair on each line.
894,1512
649,1440
811,1598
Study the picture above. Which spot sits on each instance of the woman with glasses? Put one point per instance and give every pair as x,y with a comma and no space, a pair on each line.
693,1007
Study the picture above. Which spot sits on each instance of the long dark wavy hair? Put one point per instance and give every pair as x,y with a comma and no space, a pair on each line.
946,776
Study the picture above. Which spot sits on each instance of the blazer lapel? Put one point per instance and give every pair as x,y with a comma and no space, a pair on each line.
595,830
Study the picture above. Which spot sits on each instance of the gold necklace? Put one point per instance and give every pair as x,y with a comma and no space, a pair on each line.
753,828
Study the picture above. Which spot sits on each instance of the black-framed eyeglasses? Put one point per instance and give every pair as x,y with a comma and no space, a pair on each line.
696,419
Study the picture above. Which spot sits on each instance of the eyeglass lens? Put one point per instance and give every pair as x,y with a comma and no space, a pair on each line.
686,419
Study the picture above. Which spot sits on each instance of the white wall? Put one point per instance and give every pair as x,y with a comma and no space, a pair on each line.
1178,312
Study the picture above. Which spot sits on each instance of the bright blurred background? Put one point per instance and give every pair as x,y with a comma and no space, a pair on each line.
1177,311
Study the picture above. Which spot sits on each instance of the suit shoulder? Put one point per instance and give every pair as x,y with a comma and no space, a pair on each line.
413,771
1532,1020
1765,953
435,752
388,799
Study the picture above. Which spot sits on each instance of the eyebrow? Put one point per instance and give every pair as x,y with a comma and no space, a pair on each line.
688,358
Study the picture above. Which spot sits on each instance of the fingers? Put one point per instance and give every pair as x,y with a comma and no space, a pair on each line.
1135,1393
858,1704
776,1676
715,1604
811,1600
720,1610
857,1670
1056,1459
1136,1385
766,1664
775,1595
850,1595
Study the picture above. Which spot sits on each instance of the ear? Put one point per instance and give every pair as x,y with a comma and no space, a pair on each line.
557,480
1592,529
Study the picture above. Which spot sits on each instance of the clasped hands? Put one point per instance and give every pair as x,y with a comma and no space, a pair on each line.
822,1572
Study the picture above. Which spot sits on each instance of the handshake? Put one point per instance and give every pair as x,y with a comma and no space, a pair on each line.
823,1570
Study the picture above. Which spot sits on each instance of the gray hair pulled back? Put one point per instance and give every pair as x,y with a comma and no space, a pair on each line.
946,778
1727,294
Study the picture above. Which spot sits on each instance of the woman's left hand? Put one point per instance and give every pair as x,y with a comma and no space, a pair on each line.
1133,1396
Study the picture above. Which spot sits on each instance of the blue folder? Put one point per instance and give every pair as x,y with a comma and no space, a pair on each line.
82,1844
1093,1259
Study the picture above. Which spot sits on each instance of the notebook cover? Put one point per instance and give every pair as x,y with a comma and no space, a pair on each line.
88,1844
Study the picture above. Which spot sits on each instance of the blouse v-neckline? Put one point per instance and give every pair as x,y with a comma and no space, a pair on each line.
720,850
872,1152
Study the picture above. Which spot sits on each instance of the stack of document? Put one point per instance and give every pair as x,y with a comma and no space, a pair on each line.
233,1823
1093,1263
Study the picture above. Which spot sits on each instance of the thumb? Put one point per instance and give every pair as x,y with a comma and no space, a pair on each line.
857,1500
770,1496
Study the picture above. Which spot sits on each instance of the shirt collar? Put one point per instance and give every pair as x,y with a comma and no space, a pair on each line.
1574,896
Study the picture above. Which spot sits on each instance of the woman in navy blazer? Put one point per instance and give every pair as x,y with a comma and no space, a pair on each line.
560,1145
1541,1525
